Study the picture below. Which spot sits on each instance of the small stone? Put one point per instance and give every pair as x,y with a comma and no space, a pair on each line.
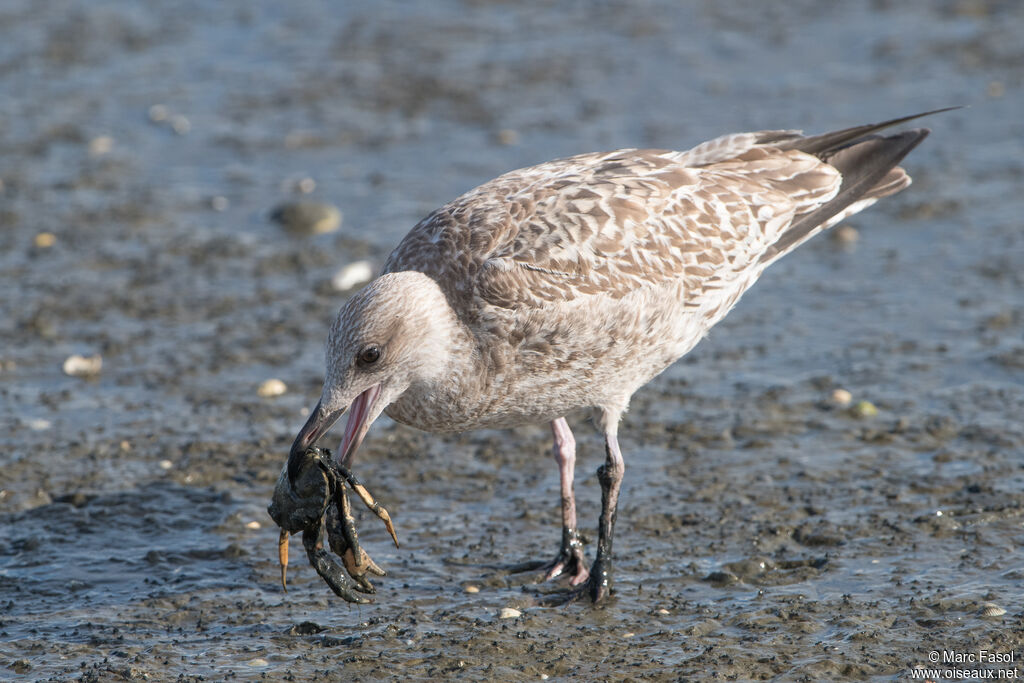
259,661
996,89
509,613
125,446
83,366
990,609
101,145
253,525
864,409
166,464
845,234
722,578
45,240
306,628
271,388
39,424
352,275
842,397
663,611
180,124
157,113
507,136
219,203
307,218
472,589
307,185
628,634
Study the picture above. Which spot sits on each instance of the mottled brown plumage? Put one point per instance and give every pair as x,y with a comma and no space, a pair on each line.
573,283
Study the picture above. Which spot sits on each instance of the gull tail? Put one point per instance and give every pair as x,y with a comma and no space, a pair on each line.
870,170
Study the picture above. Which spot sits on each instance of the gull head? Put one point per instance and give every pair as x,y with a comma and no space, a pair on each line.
394,333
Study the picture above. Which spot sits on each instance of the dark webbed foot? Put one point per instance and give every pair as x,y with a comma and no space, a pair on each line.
569,561
597,587
315,502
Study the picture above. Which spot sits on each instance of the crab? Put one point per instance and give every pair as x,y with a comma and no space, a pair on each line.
316,503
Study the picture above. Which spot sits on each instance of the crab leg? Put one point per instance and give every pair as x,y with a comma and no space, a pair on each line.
282,557
364,495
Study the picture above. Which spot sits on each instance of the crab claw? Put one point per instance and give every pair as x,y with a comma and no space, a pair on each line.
328,569
344,541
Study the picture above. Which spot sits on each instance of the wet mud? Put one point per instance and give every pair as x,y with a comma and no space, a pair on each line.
830,487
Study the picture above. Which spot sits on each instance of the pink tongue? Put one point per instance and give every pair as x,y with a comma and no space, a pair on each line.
355,428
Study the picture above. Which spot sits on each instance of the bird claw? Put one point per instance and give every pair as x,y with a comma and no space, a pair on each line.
316,503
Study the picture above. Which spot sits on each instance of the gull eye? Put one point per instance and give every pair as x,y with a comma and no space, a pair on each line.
369,355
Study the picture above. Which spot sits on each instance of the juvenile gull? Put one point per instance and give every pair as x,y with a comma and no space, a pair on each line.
572,284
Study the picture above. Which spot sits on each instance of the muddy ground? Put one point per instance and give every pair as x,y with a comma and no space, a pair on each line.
764,532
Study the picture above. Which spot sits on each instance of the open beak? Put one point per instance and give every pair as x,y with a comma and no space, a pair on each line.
358,422
320,421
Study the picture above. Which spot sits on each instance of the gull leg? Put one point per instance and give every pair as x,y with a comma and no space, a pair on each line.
610,475
599,583
570,556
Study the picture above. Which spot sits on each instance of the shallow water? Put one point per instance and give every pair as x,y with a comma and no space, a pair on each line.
763,533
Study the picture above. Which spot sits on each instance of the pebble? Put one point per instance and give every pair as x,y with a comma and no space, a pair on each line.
272,387
157,113
509,613
990,609
83,366
45,240
845,234
352,275
842,397
180,124
219,203
507,136
39,424
259,661
253,525
864,409
166,464
472,589
307,218
101,145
